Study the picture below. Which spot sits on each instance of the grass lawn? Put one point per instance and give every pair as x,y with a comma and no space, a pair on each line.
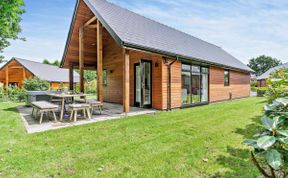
167,144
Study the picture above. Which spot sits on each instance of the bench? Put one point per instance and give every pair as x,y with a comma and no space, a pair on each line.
95,105
85,108
44,107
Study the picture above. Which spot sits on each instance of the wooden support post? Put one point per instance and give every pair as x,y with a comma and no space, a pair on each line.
24,73
7,77
126,81
81,58
99,61
71,77
24,76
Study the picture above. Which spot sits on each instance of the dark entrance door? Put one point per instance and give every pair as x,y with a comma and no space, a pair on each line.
143,84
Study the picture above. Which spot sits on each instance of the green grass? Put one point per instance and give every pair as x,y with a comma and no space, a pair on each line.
167,144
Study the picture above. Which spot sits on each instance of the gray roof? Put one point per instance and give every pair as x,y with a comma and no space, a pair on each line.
135,31
267,73
46,72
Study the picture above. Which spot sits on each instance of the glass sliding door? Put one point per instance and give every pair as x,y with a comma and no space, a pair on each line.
196,88
204,84
186,87
143,84
194,84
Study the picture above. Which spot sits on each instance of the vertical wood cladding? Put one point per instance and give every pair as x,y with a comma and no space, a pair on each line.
239,85
113,64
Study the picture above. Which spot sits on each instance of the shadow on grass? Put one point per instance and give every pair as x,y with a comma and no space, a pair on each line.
238,164
250,129
12,109
238,161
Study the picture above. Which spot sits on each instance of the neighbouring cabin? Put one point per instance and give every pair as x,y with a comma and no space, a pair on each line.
261,80
142,63
17,70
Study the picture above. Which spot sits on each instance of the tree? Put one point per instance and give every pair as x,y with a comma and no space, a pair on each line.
263,63
55,63
10,18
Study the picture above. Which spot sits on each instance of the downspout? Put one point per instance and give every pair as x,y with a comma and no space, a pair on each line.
169,99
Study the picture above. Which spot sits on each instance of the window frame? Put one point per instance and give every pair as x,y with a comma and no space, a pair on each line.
200,72
226,74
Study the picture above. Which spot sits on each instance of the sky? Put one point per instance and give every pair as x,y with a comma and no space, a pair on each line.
244,28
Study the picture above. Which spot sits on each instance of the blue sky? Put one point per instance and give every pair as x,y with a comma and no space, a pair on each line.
244,28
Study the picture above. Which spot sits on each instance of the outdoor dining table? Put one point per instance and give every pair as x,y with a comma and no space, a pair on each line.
63,96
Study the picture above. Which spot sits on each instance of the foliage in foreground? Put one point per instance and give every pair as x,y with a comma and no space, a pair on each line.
270,146
36,84
277,84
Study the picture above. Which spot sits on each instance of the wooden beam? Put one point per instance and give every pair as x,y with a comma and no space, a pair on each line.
81,58
7,77
24,75
71,77
126,81
90,21
15,67
99,61
92,26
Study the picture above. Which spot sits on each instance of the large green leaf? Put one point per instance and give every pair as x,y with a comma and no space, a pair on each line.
249,142
283,132
266,142
283,101
283,140
273,158
267,122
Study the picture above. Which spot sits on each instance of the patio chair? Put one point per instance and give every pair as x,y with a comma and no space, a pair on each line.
95,105
74,108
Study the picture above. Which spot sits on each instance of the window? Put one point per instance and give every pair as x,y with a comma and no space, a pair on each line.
226,78
194,84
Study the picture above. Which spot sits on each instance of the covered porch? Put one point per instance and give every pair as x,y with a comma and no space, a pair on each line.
90,47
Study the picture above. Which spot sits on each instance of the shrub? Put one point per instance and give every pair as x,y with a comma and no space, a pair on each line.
90,87
261,91
270,146
16,94
36,84
277,84
253,83
254,89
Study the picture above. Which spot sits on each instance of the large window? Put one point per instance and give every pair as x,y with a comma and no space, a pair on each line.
194,84
226,78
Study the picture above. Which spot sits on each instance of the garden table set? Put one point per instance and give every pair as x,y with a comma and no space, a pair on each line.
62,99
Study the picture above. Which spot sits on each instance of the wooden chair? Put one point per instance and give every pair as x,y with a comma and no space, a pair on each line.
44,107
74,108
95,105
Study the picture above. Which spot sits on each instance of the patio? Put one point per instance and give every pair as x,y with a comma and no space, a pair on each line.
110,111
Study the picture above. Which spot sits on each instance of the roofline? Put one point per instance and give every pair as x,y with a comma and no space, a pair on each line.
134,46
69,33
181,57
15,58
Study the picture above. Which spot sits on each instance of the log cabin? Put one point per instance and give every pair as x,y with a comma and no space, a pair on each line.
17,70
148,64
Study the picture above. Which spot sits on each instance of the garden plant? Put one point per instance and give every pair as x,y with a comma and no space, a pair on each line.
270,146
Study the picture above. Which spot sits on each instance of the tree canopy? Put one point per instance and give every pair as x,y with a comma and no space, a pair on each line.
263,63
10,18
55,63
